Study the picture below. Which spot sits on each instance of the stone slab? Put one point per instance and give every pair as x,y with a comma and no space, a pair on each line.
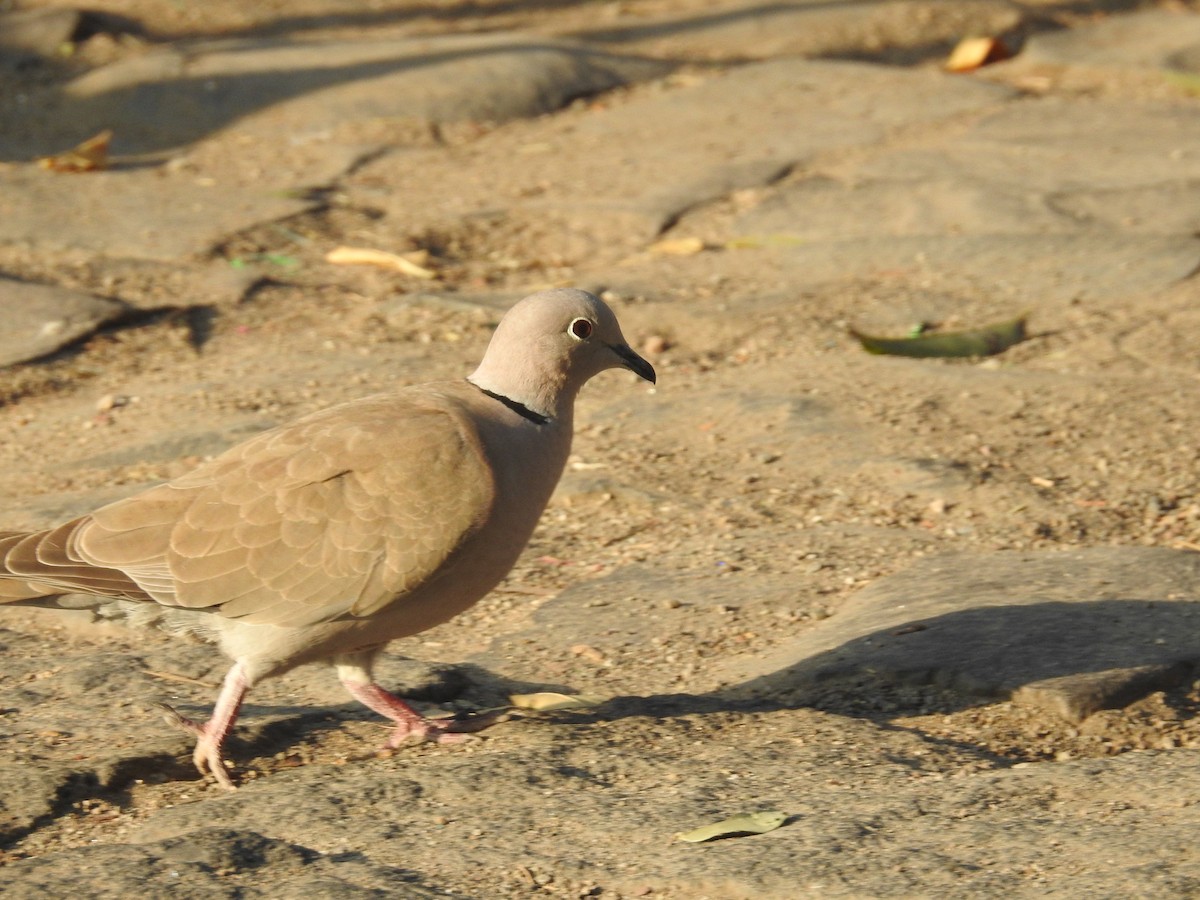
861,823
171,212
1149,39
748,30
1012,186
32,33
1015,171
1054,270
1072,631
1075,697
40,319
187,867
178,94
590,191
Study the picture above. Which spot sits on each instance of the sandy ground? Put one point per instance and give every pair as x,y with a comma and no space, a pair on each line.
735,559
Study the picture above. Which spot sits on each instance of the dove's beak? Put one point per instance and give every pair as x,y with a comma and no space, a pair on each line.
634,363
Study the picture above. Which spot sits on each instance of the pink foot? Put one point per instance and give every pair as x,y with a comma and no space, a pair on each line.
411,724
207,755
211,734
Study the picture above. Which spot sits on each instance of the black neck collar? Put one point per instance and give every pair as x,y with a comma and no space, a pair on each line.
519,408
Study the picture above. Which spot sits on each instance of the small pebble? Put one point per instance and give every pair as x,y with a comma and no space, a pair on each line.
111,401
655,344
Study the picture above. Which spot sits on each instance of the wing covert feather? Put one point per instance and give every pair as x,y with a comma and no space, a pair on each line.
337,514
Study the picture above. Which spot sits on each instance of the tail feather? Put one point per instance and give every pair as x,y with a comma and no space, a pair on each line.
41,564
12,591
12,588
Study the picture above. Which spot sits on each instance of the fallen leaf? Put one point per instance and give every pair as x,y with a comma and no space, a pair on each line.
757,241
1185,81
90,156
282,260
546,701
363,256
972,53
986,341
677,246
746,823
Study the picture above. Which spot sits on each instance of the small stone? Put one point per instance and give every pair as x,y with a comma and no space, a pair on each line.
585,651
655,344
111,401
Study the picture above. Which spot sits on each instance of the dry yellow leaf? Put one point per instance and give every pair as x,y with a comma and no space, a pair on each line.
363,256
547,701
756,241
1185,81
678,246
746,823
90,156
971,53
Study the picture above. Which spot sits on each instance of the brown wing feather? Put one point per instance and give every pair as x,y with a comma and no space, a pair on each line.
337,514
45,564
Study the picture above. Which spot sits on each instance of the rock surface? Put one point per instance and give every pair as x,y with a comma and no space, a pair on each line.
940,613
41,318
26,35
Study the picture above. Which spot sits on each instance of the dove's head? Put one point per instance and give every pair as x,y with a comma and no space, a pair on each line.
549,344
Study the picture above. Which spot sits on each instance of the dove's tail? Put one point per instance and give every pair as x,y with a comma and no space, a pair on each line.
12,587
35,571
37,568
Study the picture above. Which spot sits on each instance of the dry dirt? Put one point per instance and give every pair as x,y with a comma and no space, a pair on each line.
703,527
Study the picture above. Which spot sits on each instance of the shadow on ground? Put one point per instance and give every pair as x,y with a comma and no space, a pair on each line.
1071,658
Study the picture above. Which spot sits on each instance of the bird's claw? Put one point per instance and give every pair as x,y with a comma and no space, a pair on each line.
176,720
207,760
453,730
207,755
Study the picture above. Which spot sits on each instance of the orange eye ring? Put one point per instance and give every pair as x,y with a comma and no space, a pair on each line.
581,329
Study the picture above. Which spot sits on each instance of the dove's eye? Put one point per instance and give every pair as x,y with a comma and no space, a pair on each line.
580,329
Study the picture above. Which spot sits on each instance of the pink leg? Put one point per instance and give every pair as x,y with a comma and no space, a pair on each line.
354,672
211,734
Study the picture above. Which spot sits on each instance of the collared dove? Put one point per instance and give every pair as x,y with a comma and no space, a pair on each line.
329,537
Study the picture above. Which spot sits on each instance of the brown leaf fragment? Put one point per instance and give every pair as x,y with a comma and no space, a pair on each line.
90,156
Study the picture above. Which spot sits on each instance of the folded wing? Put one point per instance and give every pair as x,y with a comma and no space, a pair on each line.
335,515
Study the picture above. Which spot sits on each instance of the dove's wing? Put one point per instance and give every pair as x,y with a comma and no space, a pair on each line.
335,515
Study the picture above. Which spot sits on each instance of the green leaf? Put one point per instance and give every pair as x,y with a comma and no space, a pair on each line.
1187,82
977,342
758,241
